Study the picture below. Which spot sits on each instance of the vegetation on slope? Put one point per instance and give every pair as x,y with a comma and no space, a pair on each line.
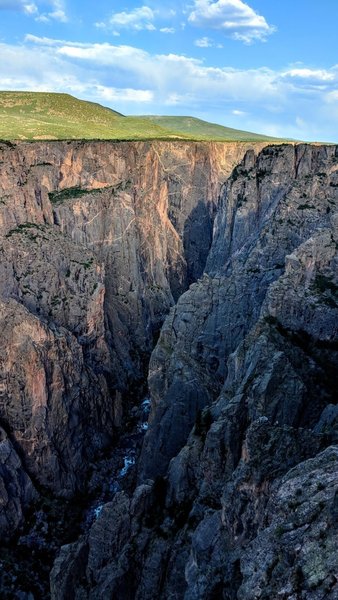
51,116
199,129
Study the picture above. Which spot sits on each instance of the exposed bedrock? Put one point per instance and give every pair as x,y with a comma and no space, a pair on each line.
98,240
269,207
237,495
16,488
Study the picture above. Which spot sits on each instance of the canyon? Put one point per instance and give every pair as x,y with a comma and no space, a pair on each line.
204,276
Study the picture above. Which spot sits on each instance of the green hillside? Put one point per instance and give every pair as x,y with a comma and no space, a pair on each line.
203,130
40,115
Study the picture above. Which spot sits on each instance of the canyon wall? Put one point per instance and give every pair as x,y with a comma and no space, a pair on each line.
98,240
237,480
219,261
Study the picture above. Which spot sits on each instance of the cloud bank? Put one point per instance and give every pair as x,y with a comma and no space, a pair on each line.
135,81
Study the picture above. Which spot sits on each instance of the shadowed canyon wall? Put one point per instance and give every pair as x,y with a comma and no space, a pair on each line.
223,257
237,493
98,240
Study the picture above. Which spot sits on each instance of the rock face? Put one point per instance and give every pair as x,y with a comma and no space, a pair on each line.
227,255
97,241
270,207
16,488
237,494
51,400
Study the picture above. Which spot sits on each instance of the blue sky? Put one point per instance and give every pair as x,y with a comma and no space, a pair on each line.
260,65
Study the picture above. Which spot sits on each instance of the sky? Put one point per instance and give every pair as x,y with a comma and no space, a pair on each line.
267,66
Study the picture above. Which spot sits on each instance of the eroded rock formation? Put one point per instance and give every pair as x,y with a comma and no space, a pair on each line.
237,478
97,241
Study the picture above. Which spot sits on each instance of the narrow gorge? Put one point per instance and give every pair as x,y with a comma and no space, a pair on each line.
199,279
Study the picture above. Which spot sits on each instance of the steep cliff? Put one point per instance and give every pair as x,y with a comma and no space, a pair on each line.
97,241
237,493
225,257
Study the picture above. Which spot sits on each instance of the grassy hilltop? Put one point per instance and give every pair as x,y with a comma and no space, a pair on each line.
202,130
51,116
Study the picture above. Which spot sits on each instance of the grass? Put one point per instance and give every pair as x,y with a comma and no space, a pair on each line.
202,130
49,116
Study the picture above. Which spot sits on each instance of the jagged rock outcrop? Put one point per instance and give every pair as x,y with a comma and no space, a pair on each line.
144,209
269,207
52,401
237,493
97,241
294,555
16,488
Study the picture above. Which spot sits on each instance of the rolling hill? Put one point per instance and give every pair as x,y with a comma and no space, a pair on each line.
199,129
52,116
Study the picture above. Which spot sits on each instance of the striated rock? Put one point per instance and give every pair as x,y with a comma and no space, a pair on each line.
294,556
68,574
16,488
243,383
146,211
58,281
262,219
236,490
56,406
98,239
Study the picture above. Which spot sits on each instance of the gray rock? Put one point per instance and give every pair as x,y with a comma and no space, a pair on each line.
237,474
263,227
97,241
243,383
16,489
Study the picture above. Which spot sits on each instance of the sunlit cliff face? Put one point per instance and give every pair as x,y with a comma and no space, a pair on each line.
98,241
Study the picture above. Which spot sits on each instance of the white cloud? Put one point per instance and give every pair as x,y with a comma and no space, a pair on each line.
234,17
29,8
111,94
167,30
331,106
239,113
206,42
42,41
169,74
137,19
129,78
105,54
332,96
311,74
57,13
178,99
57,9
31,68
